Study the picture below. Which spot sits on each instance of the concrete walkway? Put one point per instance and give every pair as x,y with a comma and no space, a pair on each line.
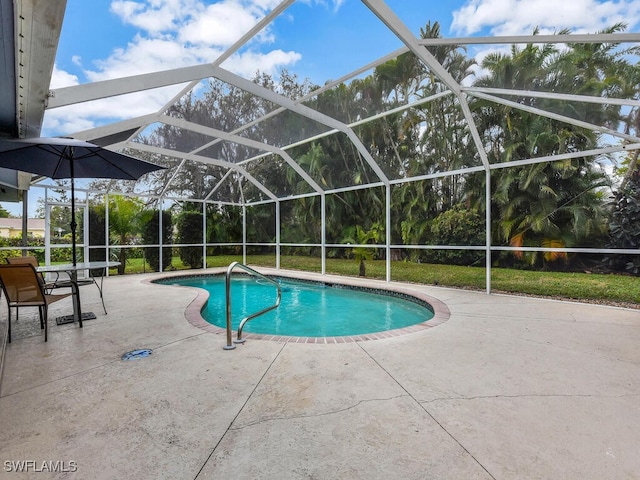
507,388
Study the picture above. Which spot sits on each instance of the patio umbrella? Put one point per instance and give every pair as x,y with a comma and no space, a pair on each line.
60,158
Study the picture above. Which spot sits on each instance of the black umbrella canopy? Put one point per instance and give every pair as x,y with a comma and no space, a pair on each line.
61,157
58,158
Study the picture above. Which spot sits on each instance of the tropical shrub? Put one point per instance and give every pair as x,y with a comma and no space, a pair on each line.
150,236
97,226
457,226
624,227
189,227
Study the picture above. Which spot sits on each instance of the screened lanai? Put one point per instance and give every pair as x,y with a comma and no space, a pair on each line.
322,135
524,142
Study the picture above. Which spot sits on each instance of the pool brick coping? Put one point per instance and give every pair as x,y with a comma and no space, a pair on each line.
193,311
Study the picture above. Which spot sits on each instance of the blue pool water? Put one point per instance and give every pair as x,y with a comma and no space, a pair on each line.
307,309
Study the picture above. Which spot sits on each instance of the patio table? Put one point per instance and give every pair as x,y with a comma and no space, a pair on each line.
72,270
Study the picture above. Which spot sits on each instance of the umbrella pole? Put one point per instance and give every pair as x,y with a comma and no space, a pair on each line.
74,256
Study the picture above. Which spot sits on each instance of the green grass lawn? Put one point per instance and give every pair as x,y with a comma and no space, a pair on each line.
622,289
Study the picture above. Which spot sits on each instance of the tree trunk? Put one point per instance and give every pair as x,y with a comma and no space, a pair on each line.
122,258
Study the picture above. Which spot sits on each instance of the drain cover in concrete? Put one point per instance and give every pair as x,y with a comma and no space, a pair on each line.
135,354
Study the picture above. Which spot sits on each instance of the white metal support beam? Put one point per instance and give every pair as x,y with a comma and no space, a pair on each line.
487,230
519,39
263,23
387,228
108,88
198,158
391,20
218,185
324,88
305,111
115,128
555,116
565,156
87,92
212,132
174,175
36,30
554,96
323,232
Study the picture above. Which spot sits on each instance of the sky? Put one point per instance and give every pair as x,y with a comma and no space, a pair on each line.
316,39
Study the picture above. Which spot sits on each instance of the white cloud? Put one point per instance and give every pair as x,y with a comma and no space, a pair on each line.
60,78
249,63
68,119
334,5
144,55
155,16
219,24
514,17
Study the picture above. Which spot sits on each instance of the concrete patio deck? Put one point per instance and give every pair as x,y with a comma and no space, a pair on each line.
507,388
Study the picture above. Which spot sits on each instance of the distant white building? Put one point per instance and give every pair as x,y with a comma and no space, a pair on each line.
12,227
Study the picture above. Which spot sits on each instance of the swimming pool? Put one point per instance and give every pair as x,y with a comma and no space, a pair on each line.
307,309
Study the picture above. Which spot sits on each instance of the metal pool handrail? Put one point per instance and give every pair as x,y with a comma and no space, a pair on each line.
230,345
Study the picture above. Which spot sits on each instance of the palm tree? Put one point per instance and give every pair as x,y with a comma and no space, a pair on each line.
546,204
125,215
359,236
